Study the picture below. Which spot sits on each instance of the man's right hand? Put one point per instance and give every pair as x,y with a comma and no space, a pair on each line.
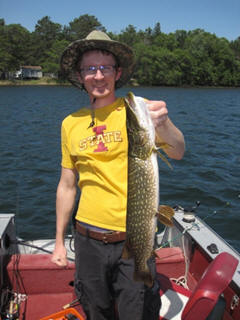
59,256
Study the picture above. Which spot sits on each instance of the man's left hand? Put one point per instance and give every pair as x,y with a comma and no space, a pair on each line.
158,111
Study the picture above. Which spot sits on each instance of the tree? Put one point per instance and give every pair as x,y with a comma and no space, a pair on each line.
235,46
184,67
5,57
226,63
181,36
80,27
47,30
144,67
201,47
129,35
165,41
182,58
156,29
51,64
2,22
45,34
14,47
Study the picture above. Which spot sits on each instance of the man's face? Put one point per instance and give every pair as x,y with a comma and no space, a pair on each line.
98,74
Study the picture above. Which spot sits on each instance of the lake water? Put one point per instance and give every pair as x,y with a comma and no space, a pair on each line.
30,121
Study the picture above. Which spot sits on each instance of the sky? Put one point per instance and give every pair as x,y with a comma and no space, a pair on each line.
220,17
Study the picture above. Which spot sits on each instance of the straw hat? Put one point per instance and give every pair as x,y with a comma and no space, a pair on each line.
97,40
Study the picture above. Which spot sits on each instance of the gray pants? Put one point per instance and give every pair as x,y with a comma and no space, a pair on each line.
104,285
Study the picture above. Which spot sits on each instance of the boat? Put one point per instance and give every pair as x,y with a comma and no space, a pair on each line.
199,273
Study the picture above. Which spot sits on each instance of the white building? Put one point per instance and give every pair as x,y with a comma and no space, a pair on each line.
29,72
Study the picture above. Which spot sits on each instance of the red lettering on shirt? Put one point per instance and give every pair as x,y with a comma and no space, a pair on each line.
99,134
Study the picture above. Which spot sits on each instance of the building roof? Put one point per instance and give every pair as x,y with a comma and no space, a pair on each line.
32,67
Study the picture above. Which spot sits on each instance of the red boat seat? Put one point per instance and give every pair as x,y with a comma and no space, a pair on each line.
170,262
214,281
47,286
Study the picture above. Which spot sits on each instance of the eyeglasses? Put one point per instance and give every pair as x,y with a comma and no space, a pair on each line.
92,70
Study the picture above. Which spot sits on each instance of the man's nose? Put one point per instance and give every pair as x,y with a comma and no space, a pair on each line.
99,74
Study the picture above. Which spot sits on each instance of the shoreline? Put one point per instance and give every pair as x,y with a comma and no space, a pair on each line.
54,82
40,82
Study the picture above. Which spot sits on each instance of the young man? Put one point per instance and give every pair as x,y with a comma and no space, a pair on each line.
95,155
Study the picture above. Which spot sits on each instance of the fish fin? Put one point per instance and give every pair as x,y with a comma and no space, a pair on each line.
163,145
130,96
144,276
165,214
126,253
129,99
164,159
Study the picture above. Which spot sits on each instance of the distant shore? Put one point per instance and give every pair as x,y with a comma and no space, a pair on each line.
39,82
55,82
43,82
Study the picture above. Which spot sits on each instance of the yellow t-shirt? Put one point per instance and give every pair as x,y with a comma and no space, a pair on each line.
99,154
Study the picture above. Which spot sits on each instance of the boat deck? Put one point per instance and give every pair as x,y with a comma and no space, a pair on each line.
185,252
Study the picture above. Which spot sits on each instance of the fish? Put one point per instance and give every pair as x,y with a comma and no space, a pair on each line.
143,189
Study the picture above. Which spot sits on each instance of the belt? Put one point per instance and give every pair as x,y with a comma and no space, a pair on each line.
106,237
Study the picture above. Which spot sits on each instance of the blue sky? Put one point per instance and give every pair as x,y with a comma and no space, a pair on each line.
221,17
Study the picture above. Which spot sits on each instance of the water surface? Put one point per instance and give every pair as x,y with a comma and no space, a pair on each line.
30,122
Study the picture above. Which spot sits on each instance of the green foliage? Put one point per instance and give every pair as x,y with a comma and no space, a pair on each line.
14,46
182,58
51,64
80,27
235,46
44,36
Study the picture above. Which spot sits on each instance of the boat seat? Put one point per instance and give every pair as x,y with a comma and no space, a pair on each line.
214,281
170,262
39,274
47,286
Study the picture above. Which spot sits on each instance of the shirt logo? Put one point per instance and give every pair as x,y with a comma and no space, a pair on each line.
99,133
100,139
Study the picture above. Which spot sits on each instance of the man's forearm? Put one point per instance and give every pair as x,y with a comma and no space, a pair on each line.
65,203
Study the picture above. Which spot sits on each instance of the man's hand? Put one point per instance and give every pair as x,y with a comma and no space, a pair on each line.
158,111
59,256
165,130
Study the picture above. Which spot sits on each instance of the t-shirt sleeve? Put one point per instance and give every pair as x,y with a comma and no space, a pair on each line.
67,159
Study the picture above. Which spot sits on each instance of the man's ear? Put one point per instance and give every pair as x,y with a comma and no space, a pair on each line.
79,77
118,73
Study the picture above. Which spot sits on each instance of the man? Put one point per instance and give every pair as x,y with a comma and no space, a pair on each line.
94,152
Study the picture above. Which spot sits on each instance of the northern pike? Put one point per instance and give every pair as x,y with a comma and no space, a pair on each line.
143,188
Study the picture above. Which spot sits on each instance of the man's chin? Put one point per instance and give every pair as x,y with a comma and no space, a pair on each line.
100,93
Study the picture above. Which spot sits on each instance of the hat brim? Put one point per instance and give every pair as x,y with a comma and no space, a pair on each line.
75,50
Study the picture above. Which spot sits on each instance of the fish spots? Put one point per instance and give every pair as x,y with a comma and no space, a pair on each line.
142,202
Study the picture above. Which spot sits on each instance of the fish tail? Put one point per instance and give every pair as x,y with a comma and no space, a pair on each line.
144,276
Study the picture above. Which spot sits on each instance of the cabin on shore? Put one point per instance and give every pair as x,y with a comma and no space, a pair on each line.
29,72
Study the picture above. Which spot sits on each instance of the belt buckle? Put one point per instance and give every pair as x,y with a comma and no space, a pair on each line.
105,240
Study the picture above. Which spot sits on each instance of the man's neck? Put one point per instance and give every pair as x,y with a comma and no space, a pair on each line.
97,103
